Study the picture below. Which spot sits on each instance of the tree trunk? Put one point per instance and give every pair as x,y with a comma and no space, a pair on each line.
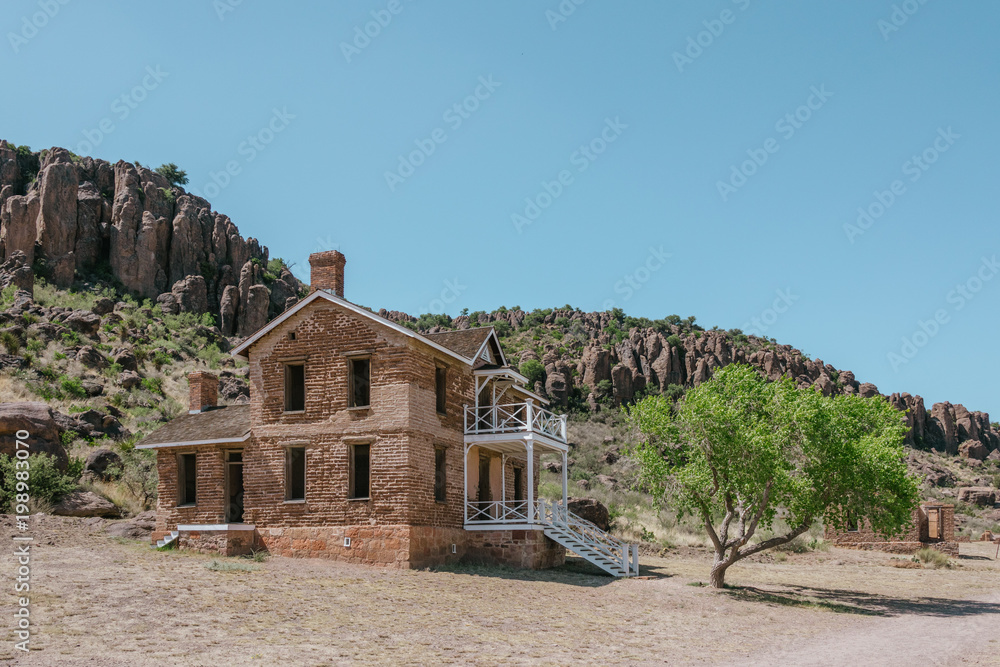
718,576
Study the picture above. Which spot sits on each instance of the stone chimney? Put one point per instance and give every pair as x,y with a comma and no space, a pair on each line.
204,391
326,271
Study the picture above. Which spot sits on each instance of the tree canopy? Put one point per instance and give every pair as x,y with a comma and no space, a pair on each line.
172,173
738,450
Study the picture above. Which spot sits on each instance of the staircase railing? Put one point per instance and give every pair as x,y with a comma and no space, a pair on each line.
625,555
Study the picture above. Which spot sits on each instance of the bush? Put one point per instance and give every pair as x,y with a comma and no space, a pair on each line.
153,385
534,371
44,479
10,341
172,173
933,557
137,473
72,386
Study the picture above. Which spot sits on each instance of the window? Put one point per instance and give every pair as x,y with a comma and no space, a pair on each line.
360,471
295,473
186,479
852,523
295,388
441,388
360,384
440,477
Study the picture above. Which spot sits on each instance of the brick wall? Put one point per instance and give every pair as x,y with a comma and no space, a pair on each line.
915,538
209,494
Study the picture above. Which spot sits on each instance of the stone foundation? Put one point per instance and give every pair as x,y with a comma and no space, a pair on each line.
387,546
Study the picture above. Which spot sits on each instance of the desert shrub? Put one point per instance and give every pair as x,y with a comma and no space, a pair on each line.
153,384
7,296
44,481
35,345
137,473
933,557
71,386
533,370
10,341
172,173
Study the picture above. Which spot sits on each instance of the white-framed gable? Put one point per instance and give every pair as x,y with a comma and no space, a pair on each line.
490,351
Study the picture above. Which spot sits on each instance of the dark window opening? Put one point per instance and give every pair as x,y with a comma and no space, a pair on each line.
295,473
852,524
187,479
360,383
518,483
295,388
291,335
440,478
441,389
360,471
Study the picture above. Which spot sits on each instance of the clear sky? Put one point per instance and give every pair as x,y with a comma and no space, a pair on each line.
699,158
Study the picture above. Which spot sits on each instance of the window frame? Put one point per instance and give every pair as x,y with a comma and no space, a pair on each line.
182,479
289,448
441,470
441,389
352,470
351,360
288,409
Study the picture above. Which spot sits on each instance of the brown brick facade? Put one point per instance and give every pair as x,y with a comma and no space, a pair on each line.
401,523
917,536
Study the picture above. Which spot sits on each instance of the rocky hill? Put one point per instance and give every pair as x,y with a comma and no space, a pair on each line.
583,360
75,217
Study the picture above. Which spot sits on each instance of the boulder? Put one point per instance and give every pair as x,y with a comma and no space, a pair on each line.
227,310
90,357
137,528
92,387
607,481
994,455
868,390
126,359
168,303
191,294
85,503
983,496
83,322
99,461
36,418
609,458
552,466
103,306
17,272
591,510
973,449
129,380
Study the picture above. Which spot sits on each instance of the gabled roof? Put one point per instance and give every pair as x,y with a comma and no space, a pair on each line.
467,342
213,426
241,349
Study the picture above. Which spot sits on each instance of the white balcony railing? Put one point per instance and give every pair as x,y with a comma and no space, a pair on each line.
514,418
510,511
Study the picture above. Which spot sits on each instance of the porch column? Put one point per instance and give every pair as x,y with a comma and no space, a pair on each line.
565,478
529,446
465,483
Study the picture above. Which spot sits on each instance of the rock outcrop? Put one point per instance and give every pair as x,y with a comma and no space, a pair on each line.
76,216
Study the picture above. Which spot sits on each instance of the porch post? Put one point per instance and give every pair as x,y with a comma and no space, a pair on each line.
529,446
465,484
564,480
503,479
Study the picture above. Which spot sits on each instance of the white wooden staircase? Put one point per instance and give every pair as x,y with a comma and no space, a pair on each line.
169,539
588,541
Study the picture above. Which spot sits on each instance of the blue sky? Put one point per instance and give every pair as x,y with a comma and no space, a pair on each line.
704,159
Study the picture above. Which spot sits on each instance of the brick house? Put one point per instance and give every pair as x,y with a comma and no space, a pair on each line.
933,526
367,442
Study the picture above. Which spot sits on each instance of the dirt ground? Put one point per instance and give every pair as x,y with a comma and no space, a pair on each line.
98,600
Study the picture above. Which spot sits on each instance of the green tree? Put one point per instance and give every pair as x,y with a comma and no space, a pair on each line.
172,173
737,449
533,370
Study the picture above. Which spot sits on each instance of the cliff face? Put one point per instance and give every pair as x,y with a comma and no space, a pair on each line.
73,216
592,356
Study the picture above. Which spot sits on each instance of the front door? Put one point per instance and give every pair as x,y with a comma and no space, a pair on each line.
485,496
934,524
234,487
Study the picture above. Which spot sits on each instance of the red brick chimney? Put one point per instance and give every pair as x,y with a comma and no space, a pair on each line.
204,391
326,271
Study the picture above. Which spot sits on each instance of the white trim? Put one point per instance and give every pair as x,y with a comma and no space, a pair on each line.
216,526
239,350
496,339
476,525
192,443
490,372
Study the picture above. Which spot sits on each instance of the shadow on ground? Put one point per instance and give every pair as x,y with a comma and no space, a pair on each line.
866,604
576,572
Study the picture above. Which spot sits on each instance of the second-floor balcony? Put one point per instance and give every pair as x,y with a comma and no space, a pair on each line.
516,419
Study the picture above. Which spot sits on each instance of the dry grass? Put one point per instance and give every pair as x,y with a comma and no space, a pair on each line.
96,600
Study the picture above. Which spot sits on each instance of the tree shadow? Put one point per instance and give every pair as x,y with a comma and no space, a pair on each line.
576,572
865,604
